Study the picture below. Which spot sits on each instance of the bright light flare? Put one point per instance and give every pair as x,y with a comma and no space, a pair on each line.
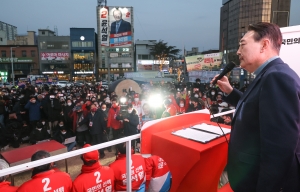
155,100
123,100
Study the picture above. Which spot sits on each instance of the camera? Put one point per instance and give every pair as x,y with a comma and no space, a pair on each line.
123,106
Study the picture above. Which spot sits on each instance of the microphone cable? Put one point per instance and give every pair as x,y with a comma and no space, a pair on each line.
210,111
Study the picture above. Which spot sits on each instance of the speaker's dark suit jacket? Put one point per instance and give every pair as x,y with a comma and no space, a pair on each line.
264,147
124,27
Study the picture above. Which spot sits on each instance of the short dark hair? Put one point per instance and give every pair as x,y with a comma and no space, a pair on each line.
268,30
37,156
121,147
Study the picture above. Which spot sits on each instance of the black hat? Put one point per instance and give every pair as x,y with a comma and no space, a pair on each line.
62,128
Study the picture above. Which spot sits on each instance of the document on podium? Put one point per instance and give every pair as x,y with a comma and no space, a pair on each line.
211,129
196,135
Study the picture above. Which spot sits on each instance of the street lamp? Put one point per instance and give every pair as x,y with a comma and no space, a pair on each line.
12,66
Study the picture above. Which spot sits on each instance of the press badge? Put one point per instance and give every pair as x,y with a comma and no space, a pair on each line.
91,123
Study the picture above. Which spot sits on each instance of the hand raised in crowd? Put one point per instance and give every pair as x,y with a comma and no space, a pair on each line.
223,84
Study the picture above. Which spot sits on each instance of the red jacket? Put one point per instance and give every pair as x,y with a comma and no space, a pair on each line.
111,119
138,175
94,178
172,109
156,172
48,181
5,187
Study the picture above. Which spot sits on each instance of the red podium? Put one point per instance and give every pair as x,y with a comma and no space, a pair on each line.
194,166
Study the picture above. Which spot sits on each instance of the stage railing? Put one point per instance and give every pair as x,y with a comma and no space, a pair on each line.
127,140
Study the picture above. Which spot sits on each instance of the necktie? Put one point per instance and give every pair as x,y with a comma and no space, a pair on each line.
117,27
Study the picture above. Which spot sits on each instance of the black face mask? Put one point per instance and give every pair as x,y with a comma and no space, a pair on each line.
88,107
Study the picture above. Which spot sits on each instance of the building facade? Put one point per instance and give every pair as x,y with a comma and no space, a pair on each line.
236,15
144,60
23,59
83,54
29,38
54,55
3,38
10,30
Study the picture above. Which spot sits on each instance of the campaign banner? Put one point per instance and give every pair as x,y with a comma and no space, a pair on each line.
104,38
204,62
120,27
54,56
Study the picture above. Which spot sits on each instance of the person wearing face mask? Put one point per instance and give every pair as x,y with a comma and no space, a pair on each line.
86,107
213,95
33,107
38,134
130,119
59,125
182,108
82,131
137,105
67,111
53,109
94,120
113,122
62,134
107,131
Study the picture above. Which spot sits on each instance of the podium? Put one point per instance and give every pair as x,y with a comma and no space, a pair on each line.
194,166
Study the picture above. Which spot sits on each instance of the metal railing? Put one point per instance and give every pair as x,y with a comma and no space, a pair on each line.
127,140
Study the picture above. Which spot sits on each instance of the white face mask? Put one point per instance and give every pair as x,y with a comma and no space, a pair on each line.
69,104
103,109
181,105
74,101
61,125
130,110
39,129
63,133
136,99
213,93
196,96
43,123
33,101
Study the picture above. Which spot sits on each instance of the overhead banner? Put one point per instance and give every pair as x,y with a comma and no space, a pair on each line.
204,62
120,27
104,27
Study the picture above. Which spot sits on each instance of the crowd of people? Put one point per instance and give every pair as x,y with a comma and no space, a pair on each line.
94,115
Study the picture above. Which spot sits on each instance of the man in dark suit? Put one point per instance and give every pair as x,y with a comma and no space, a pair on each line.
264,149
119,26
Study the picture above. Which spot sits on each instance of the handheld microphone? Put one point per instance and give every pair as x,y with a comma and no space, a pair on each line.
227,69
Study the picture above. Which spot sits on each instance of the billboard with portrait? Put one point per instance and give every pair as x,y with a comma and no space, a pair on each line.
210,61
120,26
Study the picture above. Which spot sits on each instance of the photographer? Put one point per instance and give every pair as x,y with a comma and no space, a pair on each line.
130,120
